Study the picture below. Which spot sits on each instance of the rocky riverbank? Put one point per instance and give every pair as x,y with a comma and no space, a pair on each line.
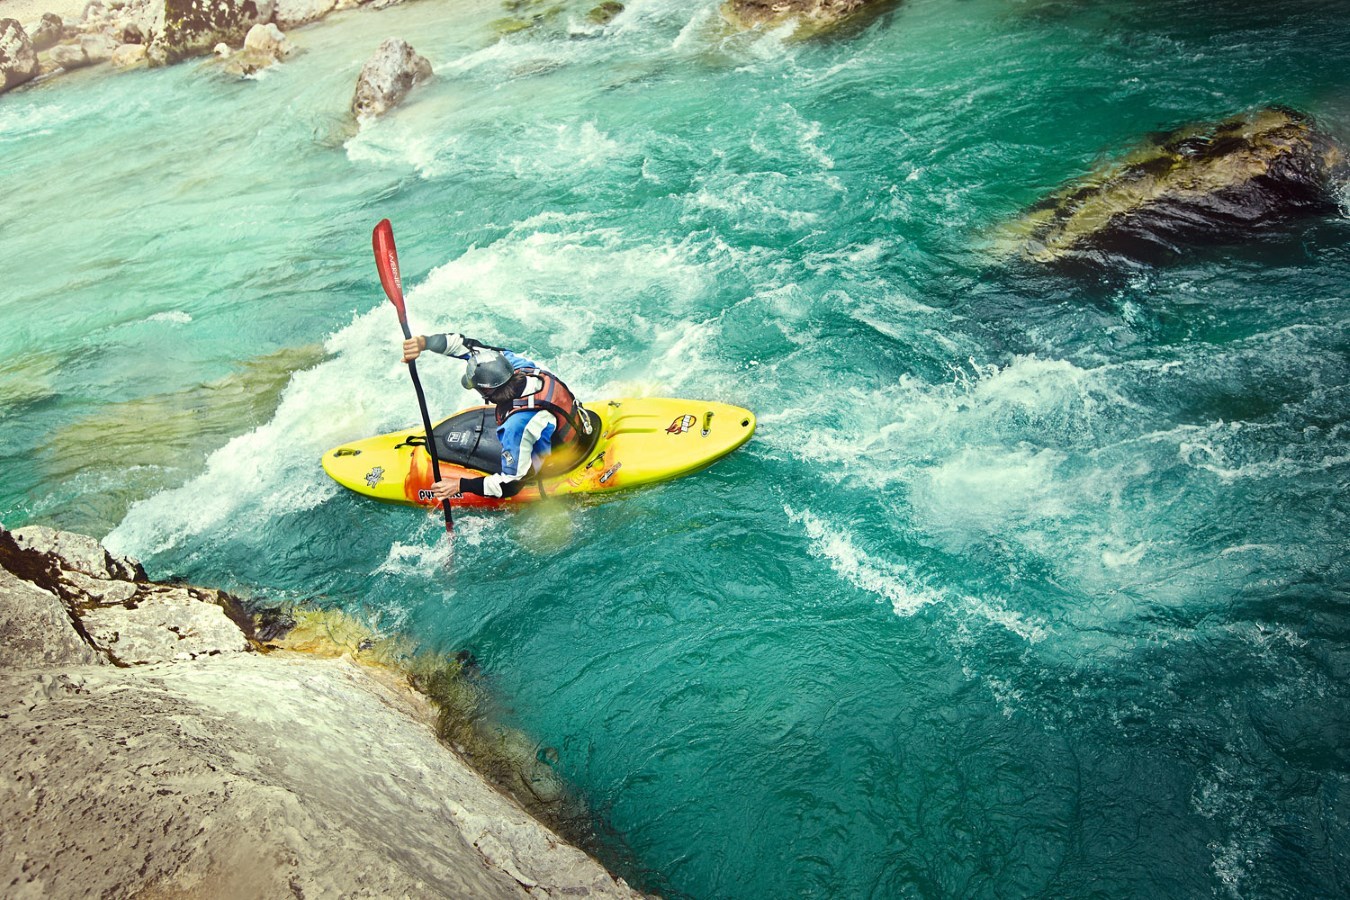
156,742
42,39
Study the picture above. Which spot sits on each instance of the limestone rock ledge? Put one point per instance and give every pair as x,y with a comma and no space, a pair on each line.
229,772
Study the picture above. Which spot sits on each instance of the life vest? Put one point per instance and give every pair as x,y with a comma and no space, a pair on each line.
574,429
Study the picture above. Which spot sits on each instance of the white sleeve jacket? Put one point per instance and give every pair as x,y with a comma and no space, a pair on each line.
526,438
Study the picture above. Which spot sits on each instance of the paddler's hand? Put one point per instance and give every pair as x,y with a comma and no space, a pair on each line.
413,347
445,489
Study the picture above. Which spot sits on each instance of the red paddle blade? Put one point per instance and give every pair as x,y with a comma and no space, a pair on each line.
386,260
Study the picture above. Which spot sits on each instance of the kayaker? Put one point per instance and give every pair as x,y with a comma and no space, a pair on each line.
539,420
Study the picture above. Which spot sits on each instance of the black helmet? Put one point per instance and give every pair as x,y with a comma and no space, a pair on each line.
487,371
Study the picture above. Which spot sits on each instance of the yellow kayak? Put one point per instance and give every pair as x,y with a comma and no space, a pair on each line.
636,441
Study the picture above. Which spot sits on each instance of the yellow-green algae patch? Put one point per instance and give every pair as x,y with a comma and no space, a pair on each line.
464,709
28,378
142,446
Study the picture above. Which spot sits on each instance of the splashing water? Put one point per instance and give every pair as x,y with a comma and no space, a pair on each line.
1026,585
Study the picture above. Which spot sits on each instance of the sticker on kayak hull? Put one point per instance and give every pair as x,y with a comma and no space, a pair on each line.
609,473
707,423
682,424
426,496
375,476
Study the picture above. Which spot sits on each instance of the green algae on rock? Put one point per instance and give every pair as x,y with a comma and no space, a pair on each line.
1202,183
465,717
605,12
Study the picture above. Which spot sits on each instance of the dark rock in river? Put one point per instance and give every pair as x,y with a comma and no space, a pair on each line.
1204,183
812,16
387,77
605,12
18,59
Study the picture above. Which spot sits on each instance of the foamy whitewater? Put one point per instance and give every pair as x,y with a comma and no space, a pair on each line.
1027,584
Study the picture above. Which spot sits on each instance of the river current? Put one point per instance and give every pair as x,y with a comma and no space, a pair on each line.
1028,584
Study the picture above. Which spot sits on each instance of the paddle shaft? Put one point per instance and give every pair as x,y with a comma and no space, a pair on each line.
386,260
426,423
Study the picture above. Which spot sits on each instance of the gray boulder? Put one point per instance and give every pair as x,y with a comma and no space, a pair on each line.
47,32
128,55
63,597
78,553
18,58
36,629
163,624
263,46
387,77
69,56
290,13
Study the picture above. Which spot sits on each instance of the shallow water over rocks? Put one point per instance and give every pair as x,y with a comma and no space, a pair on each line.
1028,583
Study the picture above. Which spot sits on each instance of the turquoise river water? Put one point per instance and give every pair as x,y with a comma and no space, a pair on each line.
1027,585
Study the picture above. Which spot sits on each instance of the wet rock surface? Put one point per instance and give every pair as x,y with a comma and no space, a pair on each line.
1212,182
811,16
387,77
228,772
264,45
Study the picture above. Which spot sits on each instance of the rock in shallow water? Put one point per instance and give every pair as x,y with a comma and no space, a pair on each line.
811,16
387,77
1210,182
263,46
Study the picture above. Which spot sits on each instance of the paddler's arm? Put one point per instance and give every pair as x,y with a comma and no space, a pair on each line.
450,344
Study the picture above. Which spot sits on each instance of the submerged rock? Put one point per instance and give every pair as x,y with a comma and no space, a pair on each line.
1209,182
18,58
155,442
812,16
387,77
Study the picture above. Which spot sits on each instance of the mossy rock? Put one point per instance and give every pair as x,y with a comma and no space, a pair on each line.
1208,182
605,12
812,17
